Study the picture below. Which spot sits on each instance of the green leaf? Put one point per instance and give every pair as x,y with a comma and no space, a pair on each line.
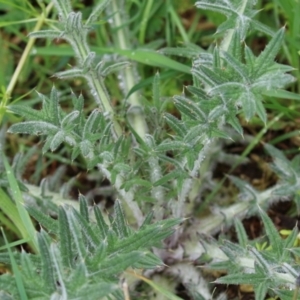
236,66
46,34
189,52
172,175
261,111
148,261
44,220
147,220
234,122
189,108
261,263
57,140
200,93
290,240
144,56
148,57
101,222
87,149
73,73
118,263
87,64
156,92
266,58
208,76
170,146
261,291
100,290
33,127
83,207
96,12
241,233
242,278
248,104
47,271
175,124
273,235
217,133
65,238
27,112
128,184
117,67
69,121
119,219
86,229
54,107
250,60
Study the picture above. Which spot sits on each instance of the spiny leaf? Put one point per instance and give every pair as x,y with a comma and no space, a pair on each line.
241,233
236,66
266,58
83,207
57,140
261,262
69,121
97,11
101,223
200,93
248,104
119,219
156,91
48,34
189,108
118,263
175,124
47,222
241,278
65,238
33,127
27,112
273,235
47,272
117,67
54,107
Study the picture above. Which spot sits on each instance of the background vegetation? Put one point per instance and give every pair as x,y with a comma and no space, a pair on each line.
156,37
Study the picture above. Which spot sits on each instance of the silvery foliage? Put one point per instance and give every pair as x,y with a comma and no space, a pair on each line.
162,167
88,255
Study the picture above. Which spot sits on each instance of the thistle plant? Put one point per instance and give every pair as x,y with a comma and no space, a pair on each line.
86,257
154,159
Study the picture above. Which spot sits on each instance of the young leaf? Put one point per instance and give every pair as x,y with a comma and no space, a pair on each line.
117,67
242,278
176,125
248,104
189,108
57,140
65,238
103,227
33,127
273,235
241,233
266,58
83,207
47,222
47,272
119,219
156,92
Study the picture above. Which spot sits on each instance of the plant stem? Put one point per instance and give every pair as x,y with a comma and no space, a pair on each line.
129,75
